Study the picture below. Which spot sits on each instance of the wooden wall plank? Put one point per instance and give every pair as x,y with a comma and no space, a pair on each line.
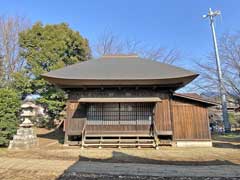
162,116
75,118
190,120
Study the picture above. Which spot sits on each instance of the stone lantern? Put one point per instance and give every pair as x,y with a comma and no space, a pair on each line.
25,137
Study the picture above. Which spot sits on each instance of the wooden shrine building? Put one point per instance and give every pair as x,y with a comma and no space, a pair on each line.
129,101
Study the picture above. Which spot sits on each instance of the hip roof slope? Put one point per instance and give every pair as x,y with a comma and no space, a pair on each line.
119,68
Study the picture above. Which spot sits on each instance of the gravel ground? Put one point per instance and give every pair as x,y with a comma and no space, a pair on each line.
84,176
136,169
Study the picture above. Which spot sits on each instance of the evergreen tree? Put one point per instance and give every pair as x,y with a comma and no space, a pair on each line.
9,111
47,48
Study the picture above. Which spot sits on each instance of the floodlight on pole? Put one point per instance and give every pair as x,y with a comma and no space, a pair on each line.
211,15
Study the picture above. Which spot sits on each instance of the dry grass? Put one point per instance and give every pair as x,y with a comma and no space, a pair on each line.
50,148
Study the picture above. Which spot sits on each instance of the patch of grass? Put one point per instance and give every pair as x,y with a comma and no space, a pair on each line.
231,135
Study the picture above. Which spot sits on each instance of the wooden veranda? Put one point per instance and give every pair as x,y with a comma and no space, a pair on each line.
118,123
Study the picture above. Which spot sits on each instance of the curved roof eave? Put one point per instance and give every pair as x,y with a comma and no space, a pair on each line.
61,82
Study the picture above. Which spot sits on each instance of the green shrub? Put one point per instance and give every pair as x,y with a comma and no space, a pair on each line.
232,118
9,110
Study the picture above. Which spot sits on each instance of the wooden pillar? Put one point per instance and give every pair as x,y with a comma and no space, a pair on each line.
162,116
171,115
68,124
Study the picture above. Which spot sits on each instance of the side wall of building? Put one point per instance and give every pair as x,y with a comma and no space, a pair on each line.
190,120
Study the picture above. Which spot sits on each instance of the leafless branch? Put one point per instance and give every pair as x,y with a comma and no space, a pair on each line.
110,43
10,26
229,50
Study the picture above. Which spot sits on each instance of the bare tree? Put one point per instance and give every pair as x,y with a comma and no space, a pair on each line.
10,26
110,43
229,49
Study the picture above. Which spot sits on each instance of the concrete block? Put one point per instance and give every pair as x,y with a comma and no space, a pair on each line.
193,143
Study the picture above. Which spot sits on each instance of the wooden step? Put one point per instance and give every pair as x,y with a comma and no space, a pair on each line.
108,140
117,135
119,140
119,145
126,144
165,142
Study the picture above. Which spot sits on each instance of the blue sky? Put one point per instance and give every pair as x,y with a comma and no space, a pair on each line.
171,24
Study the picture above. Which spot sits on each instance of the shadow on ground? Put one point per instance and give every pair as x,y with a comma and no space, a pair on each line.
56,134
231,140
117,157
224,144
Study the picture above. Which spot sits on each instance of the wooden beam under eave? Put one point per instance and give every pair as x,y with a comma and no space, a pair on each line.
102,100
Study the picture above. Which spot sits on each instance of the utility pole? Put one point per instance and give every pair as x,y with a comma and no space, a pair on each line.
211,15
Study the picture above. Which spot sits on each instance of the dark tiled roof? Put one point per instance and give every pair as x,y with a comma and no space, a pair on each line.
119,68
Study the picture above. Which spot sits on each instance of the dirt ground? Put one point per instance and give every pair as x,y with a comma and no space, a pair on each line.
51,158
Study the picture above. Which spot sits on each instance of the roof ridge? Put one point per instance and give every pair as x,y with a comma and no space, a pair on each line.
120,56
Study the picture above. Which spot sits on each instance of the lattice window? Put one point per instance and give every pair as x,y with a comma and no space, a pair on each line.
120,113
